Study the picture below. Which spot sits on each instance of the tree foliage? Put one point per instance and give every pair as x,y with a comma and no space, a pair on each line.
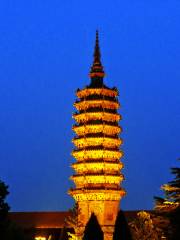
171,190
143,227
168,207
72,220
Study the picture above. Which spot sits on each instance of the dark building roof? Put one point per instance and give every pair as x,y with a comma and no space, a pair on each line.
39,219
49,219
53,225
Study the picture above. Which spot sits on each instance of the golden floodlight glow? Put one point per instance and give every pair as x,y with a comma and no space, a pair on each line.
96,141
97,170
96,103
96,91
95,154
97,195
95,179
104,116
97,167
96,128
97,147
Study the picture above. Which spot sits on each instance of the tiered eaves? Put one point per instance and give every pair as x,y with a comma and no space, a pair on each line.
97,167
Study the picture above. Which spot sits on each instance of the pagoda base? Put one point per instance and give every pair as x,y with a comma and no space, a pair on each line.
106,213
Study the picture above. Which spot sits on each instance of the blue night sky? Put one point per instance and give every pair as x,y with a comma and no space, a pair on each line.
46,50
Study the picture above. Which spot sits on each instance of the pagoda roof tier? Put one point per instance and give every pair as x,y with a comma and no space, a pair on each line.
99,160
99,195
96,172
96,110
84,105
109,117
96,91
96,128
97,141
83,180
99,187
96,160
95,154
96,148
81,167
104,174
97,122
98,97
96,135
97,167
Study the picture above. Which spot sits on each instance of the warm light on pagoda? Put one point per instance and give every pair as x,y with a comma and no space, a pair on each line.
97,151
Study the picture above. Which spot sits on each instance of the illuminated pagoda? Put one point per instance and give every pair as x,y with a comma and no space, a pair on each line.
97,168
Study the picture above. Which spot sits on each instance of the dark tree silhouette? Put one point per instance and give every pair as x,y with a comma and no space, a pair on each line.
122,231
8,229
4,207
93,229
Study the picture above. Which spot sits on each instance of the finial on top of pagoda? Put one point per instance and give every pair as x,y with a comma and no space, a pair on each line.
97,68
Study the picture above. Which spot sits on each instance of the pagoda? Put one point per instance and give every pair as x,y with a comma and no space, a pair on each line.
98,167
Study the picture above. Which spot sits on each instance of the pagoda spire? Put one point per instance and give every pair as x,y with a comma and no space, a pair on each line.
97,54
97,68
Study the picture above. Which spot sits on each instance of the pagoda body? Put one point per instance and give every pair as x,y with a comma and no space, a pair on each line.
98,167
